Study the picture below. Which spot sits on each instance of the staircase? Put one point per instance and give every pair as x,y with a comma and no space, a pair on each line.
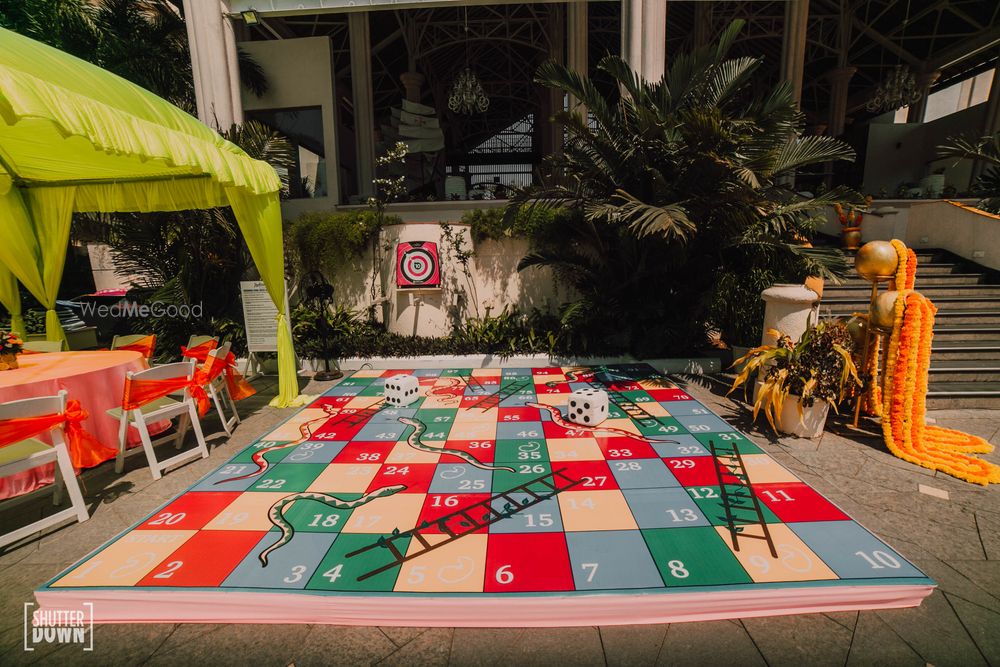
965,354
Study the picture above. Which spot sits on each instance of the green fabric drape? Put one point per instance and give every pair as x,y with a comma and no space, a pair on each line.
259,216
75,138
10,297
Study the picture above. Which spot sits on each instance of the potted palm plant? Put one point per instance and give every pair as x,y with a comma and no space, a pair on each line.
801,380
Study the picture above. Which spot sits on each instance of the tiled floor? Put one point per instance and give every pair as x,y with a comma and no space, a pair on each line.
949,528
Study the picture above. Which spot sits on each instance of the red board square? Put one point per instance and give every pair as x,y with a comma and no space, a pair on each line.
792,502
335,402
204,560
554,430
416,477
514,415
625,385
390,373
551,370
481,402
696,471
365,452
483,450
668,395
527,563
339,427
437,505
594,475
625,448
191,511
553,388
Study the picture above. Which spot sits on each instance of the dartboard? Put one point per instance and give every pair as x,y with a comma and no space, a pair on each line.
417,264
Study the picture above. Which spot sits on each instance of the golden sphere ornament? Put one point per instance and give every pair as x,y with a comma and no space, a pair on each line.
857,327
876,260
884,311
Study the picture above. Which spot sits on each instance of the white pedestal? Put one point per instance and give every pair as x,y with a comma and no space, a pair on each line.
790,309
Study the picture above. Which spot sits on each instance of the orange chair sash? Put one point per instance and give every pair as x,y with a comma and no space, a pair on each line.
142,392
145,345
85,451
238,387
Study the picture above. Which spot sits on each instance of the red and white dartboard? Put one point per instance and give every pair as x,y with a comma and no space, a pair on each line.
417,264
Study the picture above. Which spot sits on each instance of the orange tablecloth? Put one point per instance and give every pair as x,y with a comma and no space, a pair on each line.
96,379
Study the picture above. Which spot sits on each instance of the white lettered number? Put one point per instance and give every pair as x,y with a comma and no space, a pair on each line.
172,567
879,560
591,569
296,575
504,575
677,569
167,519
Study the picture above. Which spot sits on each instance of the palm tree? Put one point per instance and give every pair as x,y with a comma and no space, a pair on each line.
987,151
680,209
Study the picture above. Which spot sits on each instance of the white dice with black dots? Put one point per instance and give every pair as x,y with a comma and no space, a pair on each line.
588,407
401,390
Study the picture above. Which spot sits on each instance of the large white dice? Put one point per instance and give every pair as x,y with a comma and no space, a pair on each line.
401,390
588,407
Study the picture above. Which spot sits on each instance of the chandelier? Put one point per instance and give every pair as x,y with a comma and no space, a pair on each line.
899,90
467,95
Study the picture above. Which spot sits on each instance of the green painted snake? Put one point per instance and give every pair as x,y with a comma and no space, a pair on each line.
277,512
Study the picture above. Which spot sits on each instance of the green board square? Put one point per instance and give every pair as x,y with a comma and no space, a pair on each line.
435,417
521,451
660,427
456,373
246,456
337,572
725,441
614,412
310,516
523,473
694,557
638,397
288,477
709,501
355,382
373,390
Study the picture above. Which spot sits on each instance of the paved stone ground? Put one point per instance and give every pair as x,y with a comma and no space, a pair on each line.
951,530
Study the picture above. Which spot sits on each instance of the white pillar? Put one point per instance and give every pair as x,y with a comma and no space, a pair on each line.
644,37
789,309
793,52
364,106
213,63
915,114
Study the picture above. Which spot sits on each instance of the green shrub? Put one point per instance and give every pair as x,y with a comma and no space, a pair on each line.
324,241
496,224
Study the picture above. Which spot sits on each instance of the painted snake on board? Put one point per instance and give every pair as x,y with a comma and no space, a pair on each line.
277,512
419,428
558,419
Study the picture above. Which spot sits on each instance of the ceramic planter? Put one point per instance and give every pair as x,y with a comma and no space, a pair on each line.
811,423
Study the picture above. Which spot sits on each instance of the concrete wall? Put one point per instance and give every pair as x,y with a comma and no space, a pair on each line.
964,231
906,152
300,74
493,282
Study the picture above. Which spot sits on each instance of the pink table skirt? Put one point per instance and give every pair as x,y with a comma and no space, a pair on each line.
96,379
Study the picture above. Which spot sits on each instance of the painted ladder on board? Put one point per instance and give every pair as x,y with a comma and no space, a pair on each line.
742,506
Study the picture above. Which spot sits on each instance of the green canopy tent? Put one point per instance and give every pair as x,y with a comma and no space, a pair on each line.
76,138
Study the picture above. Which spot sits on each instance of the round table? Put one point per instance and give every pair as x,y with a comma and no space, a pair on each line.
96,379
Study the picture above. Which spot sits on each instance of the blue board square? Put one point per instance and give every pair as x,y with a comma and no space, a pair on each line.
519,430
685,408
392,415
381,432
350,390
461,478
703,424
427,372
541,518
851,551
217,480
664,508
291,566
315,452
686,445
642,474
611,560
516,372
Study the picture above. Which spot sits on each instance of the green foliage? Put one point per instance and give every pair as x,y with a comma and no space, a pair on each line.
672,196
987,150
324,241
353,335
493,223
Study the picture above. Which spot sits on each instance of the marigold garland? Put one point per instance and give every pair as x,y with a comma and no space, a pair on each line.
904,397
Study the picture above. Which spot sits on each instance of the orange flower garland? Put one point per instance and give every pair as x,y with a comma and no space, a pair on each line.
904,397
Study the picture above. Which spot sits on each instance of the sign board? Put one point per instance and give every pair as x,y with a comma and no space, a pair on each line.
259,317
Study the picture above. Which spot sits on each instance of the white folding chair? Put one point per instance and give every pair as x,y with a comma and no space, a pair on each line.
218,389
119,342
161,409
196,340
45,345
33,452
